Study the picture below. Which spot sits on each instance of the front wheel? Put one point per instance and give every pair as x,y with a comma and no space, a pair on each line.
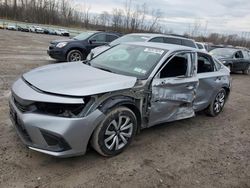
75,55
217,104
115,132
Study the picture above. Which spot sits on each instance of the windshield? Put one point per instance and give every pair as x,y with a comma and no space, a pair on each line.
130,38
130,60
84,35
223,52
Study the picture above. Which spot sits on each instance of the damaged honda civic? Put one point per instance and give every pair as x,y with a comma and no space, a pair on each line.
61,109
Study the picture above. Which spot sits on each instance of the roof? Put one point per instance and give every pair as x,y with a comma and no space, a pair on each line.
151,35
164,46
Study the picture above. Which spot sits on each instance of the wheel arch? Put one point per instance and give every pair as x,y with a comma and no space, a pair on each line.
118,101
125,101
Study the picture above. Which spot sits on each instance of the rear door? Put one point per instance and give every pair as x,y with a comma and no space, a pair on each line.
210,81
174,89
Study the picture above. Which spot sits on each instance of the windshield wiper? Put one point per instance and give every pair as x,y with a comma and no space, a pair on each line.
104,69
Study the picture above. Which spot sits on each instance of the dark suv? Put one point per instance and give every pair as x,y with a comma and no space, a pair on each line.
77,48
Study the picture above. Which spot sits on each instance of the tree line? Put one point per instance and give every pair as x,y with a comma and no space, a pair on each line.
131,17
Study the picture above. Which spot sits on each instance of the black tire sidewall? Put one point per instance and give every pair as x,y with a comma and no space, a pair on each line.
115,113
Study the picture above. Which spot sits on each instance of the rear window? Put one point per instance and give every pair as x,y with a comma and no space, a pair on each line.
188,43
172,41
157,39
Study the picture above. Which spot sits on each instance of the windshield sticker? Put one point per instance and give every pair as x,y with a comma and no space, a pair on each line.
139,70
153,50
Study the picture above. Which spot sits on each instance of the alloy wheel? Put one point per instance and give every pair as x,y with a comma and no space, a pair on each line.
118,133
219,102
75,56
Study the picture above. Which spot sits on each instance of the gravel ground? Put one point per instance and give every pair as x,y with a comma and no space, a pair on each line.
197,152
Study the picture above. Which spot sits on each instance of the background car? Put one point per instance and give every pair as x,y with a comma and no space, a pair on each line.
77,48
36,29
23,28
144,37
202,46
106,103
62,32
235,59
50,31
12,27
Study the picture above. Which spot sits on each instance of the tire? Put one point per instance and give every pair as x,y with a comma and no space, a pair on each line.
75,55
217,104
247,70
115,132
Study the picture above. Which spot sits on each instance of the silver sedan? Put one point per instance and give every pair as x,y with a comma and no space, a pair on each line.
60,109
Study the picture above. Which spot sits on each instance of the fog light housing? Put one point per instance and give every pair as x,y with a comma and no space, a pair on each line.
55,142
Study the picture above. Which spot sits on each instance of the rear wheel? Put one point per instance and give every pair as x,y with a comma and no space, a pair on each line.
115,132
75,55
217,104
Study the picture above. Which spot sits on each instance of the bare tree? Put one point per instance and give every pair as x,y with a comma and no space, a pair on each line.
156,14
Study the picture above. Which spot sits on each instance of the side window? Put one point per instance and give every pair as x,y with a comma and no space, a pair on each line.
205,64
188,43
110,38
178,66
238,55
157,39
245,53
172,40
99,38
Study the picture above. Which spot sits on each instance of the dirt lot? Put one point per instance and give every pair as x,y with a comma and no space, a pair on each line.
198,152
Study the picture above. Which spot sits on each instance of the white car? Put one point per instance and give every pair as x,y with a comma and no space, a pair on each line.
62,32
202,46
36,29
11,27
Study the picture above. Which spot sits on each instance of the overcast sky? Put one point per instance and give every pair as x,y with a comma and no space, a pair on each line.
223,16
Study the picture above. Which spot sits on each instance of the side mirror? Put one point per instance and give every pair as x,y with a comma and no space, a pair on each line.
92,41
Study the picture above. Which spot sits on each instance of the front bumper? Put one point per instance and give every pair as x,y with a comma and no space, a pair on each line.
70,136
56,53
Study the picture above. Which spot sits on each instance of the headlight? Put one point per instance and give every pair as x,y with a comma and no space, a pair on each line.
61,44
61,110
224,62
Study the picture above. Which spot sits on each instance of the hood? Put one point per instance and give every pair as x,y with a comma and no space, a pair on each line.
62,40
77,79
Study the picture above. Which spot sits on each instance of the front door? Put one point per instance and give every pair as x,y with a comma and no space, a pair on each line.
174,89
